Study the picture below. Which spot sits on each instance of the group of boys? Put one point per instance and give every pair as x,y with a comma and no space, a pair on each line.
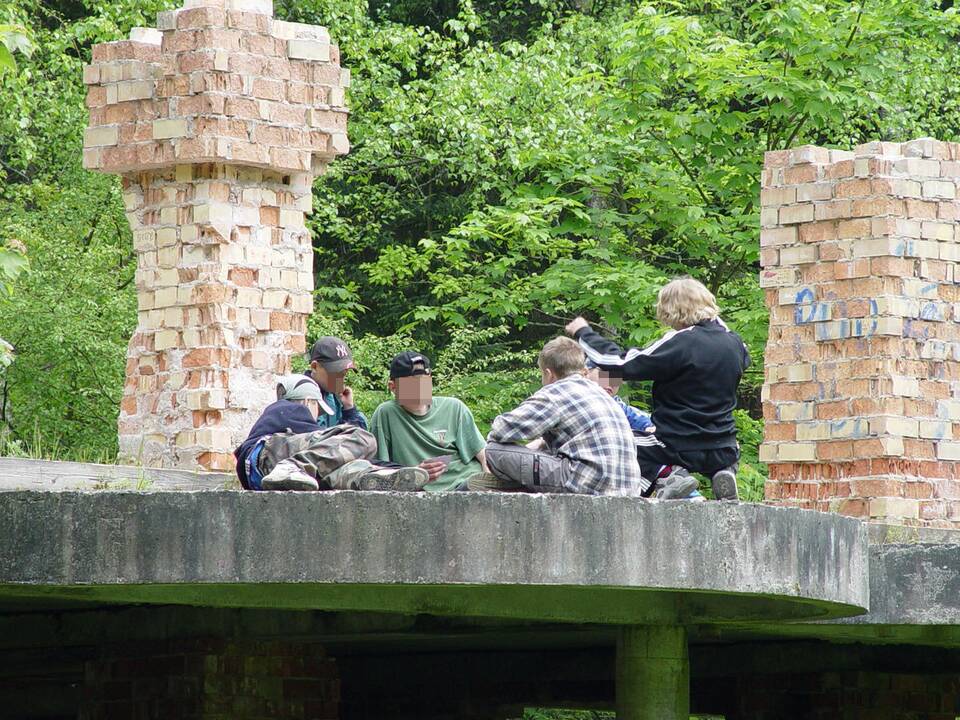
575,434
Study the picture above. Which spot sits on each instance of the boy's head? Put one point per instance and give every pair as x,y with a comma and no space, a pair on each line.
330,358
610,381
304,391
684,302
559,358
411,380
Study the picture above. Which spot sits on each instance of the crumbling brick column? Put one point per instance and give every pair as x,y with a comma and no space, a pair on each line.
862,388
217,123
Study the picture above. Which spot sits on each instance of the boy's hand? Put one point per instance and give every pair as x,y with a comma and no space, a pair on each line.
574,325
434,468
346,397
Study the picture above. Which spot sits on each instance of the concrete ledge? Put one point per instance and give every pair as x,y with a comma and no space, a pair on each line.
915,584
538,557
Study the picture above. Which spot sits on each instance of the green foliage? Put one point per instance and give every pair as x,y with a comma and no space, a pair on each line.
478,366
514,163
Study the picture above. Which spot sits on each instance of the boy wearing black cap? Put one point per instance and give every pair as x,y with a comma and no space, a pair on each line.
330,359
437,434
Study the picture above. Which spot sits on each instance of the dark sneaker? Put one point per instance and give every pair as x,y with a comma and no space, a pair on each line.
724,483
287,476
675,487
407,479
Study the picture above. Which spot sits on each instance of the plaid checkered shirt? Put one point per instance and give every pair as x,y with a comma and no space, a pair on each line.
578,421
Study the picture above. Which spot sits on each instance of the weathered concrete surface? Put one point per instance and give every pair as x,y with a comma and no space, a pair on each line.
30,474
537,557
914,597
915,584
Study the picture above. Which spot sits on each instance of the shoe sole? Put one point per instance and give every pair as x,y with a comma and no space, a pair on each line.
488,482
408,479
289,484
679,489
724,485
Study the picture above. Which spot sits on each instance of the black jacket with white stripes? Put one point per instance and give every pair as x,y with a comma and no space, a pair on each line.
695,373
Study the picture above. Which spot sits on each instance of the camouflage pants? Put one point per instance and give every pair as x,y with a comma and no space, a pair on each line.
319,453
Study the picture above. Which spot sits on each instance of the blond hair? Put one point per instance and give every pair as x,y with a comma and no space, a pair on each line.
563,356
684,302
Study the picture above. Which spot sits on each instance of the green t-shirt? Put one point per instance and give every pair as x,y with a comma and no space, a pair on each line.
447,429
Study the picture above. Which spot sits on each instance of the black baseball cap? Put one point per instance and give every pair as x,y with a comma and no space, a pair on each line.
409,363
332,353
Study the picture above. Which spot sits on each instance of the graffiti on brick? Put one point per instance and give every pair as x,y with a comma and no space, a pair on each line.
809,310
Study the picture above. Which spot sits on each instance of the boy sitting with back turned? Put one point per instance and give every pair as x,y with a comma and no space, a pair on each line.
696,369
586,443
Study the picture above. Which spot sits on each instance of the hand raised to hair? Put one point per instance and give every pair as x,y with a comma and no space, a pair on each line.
574,325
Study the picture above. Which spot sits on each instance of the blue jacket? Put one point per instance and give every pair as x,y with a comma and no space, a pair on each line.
278,417
340,414
639,421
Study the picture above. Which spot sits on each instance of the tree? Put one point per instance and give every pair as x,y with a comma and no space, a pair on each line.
513,163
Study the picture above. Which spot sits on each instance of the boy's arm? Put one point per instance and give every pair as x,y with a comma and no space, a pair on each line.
746,353
535,416
638,420
470,442
657,361
482,459
353,416
381,432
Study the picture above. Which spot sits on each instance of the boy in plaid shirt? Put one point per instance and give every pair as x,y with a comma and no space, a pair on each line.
583,443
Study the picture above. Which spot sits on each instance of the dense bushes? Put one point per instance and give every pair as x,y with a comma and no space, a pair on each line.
513,163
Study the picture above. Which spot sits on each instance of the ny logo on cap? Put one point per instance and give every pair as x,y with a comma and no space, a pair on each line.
342,351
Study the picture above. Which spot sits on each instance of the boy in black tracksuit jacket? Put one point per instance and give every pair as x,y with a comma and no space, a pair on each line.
695,369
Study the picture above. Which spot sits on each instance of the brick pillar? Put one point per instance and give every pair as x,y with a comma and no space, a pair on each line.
209,679
217,123
861,394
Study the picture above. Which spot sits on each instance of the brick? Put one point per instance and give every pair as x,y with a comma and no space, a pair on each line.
865,247
165,129
797,174
905,386
100,136
834,450
796,452
340,145
939,189
798,255
809,154
839,170
899,426
134,90
814,191
901,508
811,431
314,50
937,230
911,167
935,430
853,188
779,277
817,231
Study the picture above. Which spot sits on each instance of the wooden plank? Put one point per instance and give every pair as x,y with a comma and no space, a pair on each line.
28,474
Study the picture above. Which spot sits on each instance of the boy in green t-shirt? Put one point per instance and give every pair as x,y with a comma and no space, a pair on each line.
437,434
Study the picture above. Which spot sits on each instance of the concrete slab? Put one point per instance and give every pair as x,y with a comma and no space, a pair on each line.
914,599
533,557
